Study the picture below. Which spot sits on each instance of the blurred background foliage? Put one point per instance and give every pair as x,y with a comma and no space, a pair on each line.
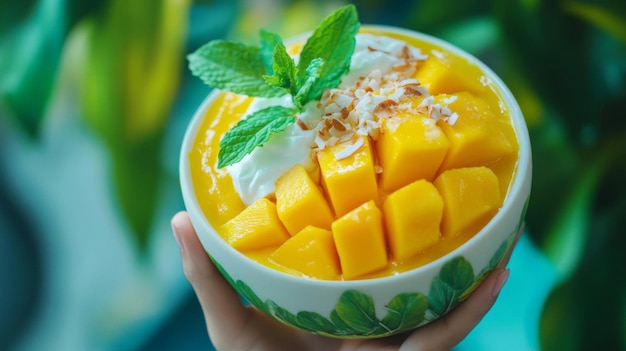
565,62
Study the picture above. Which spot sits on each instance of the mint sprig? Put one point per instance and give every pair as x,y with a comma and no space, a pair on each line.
252,132
232,67
269,71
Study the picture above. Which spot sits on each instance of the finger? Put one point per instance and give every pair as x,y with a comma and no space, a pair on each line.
223,311
452,328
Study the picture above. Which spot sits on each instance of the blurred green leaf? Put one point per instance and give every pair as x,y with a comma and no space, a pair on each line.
32,36
567,237
603,18
586,307
432,15
561,322
474,35
549,47
133,64
31,48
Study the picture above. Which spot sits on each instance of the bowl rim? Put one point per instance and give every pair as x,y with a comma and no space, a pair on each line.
515,191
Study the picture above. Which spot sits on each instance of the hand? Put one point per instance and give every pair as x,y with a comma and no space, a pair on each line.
233,326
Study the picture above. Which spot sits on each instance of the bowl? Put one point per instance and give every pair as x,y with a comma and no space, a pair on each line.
370,308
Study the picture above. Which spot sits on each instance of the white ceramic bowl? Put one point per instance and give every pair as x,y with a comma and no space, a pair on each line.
369,308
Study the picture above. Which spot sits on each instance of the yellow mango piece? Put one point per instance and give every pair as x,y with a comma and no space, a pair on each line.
411,150
256,227
471,198
349,181
360,241
311,252
478,137
299,201
412,216
438,76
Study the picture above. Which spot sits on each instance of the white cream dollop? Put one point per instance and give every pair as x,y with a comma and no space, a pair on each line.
255,175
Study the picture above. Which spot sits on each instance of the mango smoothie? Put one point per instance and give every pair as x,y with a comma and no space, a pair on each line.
401,163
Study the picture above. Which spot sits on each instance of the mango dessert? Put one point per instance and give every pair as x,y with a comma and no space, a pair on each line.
404,159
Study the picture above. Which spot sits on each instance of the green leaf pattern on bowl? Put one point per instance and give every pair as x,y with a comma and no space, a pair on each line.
354,314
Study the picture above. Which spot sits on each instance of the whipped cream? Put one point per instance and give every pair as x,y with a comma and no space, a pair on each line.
255,175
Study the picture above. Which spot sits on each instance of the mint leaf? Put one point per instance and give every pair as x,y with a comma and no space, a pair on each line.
233,67
252,132
268,43
333,41
285,74
312,74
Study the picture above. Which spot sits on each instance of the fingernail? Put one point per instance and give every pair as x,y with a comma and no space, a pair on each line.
497,287
175,230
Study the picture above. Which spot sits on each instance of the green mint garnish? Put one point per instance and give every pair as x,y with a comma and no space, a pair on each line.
333,41
232,67
285,72
252,132
268,71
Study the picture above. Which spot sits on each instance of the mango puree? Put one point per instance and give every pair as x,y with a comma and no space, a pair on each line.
220,201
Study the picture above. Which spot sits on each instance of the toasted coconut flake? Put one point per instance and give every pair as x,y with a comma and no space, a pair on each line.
338,125
385,108
410,82
374,100
413,90
342,100
301,124
453,118
331,108
349,150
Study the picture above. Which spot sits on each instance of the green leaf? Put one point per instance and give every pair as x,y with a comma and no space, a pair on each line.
357,311
603,18
304,94
128,61
455,277
333,41
284,68
249,294
252,132
405,311
268,43
341,326
316,322
234,67
566,238
283,315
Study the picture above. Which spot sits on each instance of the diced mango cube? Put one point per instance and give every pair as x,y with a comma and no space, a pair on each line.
299,201
471,198
360,241
438,76
411,150
413,216
477,137
349,181
256,227
311,252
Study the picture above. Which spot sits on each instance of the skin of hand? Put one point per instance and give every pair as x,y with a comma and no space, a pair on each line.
233,326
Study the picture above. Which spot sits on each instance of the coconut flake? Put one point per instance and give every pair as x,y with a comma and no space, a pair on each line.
349,150
453,118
